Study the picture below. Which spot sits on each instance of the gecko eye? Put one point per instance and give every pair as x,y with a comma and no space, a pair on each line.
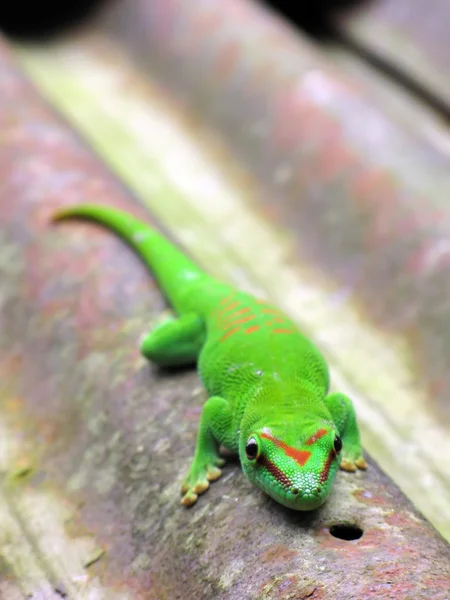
251,449
337,444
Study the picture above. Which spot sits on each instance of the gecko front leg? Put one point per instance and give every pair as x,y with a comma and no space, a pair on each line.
215,429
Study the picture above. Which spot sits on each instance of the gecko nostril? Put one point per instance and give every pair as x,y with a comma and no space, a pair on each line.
295,491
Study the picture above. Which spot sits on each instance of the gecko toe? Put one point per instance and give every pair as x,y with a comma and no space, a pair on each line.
213,474
352,465
199,478
192,492
361,464
348,465
189,499
201,486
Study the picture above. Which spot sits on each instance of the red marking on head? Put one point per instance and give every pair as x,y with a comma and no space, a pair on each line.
300,456
327,466
275,471
283,331
229,333
319,434
237,321
252,329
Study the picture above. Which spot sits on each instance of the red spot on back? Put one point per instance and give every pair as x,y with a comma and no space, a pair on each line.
226,299
274,321
227,308
230,306
252,329
237,321
300,456
327,466
229,333
275,471
271,311
242,311
316,436
283,331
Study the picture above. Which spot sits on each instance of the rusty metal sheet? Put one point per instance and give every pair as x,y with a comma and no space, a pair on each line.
359,177
408,39
95,442
363,189
129,120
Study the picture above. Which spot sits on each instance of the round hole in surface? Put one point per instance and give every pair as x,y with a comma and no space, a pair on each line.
346,531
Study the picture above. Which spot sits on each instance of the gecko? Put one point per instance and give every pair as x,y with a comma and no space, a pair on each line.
267,383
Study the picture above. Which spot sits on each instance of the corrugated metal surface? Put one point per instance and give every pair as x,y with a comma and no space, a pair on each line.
95,441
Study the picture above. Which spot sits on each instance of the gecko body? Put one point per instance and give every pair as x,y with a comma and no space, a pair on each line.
267,383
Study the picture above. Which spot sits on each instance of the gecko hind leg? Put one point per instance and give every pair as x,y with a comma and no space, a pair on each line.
175,341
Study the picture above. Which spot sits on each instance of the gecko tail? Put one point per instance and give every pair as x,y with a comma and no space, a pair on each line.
174,271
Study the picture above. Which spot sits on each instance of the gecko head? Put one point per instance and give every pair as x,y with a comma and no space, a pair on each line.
294,465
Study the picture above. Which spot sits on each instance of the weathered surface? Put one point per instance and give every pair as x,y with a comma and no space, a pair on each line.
358,178
105,439
410,38
365,193
174,166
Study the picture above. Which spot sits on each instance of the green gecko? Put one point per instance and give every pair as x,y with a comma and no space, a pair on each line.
267,383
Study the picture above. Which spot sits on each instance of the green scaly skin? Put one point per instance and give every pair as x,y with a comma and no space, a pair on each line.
267,383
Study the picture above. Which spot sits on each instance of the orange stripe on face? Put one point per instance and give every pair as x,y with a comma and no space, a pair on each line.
319,434
301,457
229,333
283,331
281,477
327,466
252,329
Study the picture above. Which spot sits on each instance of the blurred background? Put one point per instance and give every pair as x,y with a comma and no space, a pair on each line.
300,153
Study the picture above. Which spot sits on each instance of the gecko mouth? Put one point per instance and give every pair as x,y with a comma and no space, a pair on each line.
302,496
288,493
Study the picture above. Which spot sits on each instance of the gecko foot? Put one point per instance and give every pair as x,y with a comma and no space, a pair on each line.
197,482
351,465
